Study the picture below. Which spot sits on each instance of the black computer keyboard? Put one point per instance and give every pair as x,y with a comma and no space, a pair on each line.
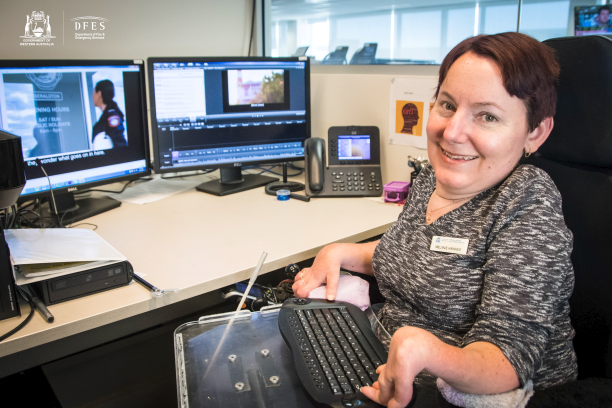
334,349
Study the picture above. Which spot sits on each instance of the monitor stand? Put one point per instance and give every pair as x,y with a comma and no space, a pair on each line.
233,181
71,210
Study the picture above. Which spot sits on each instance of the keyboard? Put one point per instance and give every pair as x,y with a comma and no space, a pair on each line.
334,350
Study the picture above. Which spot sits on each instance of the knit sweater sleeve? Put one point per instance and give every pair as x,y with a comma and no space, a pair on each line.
526,275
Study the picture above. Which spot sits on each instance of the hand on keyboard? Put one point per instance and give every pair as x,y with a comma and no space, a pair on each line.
407,358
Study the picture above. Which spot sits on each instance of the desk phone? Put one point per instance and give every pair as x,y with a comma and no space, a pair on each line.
354,163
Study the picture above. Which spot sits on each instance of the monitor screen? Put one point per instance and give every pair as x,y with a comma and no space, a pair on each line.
83,121
592,20
228,112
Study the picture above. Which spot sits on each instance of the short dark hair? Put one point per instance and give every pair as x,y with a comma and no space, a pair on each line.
529,70
603,8
108,90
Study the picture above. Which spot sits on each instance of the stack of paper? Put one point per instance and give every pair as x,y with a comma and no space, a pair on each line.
39,254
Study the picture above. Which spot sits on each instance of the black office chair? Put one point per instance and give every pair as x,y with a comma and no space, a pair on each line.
578,157
365,55
336,57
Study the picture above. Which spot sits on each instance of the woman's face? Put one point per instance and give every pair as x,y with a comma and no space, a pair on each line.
476,131
97,99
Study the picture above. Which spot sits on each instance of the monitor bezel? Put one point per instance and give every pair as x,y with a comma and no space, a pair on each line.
145,125
154,135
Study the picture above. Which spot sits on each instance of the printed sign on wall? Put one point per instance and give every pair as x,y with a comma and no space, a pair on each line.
407,113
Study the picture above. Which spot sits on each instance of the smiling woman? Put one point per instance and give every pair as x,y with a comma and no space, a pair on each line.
495,100
494,316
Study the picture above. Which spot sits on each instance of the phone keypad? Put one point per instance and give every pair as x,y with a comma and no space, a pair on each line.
356,181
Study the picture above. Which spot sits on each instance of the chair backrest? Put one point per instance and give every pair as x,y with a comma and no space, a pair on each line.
365,55
300,52
336,57
578,157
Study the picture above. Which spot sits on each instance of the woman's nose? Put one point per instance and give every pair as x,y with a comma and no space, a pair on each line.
457,129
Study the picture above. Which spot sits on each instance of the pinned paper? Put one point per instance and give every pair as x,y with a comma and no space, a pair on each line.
411,100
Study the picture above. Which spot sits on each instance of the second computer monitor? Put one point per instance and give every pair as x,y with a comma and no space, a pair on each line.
227,113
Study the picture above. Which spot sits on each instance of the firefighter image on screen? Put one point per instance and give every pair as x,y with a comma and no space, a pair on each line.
108,132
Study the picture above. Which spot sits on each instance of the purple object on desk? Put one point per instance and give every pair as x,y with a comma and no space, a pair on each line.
396,191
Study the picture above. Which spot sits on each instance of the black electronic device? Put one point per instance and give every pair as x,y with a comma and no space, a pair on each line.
212,112
12,180
85,121
365,55
336,57
334,350
353,168
9,305
76,285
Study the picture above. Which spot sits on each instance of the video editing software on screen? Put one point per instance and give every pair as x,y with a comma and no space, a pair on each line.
211,113
80,135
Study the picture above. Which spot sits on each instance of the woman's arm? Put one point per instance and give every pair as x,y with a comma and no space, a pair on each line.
327,264
479,368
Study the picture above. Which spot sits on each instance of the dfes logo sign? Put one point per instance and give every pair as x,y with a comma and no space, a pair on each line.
89,28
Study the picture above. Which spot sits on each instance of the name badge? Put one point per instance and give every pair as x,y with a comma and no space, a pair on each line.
450,245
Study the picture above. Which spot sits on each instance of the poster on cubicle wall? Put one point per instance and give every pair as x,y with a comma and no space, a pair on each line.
411,99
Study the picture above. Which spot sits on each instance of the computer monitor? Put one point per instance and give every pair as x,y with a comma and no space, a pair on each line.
225,113
592,20
83,121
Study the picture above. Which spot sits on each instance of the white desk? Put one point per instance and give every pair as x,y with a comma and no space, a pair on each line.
198,243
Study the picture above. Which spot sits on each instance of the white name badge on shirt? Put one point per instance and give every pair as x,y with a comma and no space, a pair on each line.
450,245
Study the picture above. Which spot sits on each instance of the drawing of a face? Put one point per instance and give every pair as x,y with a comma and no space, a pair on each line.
411,117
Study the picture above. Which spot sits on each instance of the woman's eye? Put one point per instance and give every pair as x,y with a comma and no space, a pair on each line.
489,118
447,106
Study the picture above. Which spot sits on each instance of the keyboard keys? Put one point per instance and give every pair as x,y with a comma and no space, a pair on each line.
347,389
335,352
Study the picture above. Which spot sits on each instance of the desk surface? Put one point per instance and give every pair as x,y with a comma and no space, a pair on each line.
197,243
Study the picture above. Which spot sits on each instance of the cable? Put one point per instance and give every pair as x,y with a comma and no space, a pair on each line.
50,190
24,211
114,191
84,223
11,223
22,324
293,166
252,27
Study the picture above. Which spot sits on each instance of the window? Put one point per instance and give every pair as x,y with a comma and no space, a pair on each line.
407,32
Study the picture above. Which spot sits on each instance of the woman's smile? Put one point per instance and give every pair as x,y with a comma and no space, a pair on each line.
457,157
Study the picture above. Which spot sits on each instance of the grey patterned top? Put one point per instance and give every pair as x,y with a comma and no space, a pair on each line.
512,287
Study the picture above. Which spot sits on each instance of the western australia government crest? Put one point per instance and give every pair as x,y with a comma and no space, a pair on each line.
37,30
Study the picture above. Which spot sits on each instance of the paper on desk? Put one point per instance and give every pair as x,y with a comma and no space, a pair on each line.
39,246
154,190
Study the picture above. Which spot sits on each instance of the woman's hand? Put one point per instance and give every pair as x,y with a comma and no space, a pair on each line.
325,269
408,356
478,368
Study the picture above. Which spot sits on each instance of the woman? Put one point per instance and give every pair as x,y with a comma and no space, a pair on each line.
494,315
111,121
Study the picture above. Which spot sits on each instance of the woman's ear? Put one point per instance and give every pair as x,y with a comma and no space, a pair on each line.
539,135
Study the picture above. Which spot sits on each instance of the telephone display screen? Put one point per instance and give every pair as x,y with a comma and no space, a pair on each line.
354,147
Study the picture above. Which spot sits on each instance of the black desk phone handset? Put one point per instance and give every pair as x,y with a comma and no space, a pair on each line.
354,163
